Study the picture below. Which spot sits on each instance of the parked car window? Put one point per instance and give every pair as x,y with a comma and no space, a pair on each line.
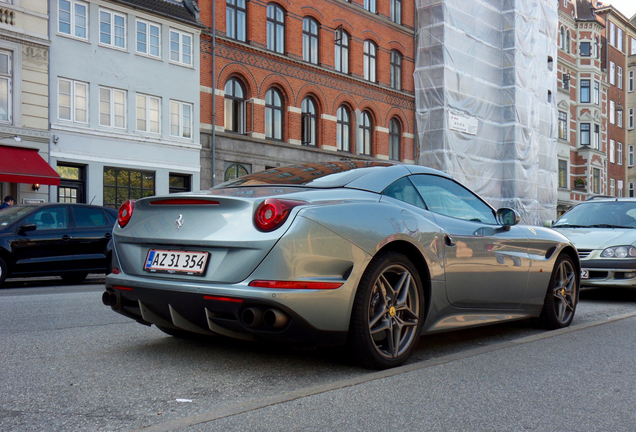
446,197
600,214
10,214
89,217
48,218
404,190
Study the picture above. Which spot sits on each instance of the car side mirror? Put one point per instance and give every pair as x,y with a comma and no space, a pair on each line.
28,227
508,217
548,223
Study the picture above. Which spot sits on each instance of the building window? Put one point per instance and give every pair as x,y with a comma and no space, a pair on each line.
235,24
597,137
597,93
612,73
275,28
148,114
619,39
619,153
148,39
72,101
343,130
396,70
584,49
180,119
612,187
366,134
310,40
369,5
562,38
72,18
72,183
619,190
633,48
6,86
619,77
619,118
596,51
394,139
630,118
369,60
585,91
612,112
121,185
612,34
309,122
563,125
566,81
396,11
563,173
112,108
631,189
273,115
630,81
567,41
585,134
181,47
596,180
611,151
112,29
234,106
235,170
179,183
630,156
342,51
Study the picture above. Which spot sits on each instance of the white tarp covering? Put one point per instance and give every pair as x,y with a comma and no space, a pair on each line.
485,94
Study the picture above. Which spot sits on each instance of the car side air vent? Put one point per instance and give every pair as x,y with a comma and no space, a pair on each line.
549,252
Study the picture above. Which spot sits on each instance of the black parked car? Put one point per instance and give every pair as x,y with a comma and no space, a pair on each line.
69,240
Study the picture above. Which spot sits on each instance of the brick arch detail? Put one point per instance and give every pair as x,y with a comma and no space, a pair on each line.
282,3
343,99
309,11
369,105
395,45
243,73
371,35
316,93
399,113
345,25
282,84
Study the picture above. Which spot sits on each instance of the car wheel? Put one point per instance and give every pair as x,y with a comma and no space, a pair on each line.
562,295
3,271
74,278
387,312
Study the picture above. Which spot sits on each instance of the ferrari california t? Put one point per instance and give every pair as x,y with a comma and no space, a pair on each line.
368,254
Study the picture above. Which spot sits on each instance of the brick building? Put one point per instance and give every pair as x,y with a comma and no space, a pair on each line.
631,104
304,81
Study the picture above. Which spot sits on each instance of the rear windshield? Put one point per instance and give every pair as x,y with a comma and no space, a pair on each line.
612,214
332,174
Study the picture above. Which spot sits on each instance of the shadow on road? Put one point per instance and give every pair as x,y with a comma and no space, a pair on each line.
622,295
52,281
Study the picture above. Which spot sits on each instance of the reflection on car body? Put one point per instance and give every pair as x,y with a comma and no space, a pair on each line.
372,254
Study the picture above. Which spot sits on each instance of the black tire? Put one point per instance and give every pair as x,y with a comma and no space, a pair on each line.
4,272
74,278
562,295
388,308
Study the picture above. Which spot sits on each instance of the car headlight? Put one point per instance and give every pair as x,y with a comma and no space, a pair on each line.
619,252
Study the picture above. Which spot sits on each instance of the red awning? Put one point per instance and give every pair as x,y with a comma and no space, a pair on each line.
21,165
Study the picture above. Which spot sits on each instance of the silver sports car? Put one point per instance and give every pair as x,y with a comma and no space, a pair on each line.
370,254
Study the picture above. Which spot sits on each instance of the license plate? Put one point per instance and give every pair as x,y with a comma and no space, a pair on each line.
585,274
176,261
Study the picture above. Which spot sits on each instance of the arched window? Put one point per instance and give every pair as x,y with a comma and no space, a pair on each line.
562,38
394,140
275,28
309,122
369,60
234,106
235,24
343,132
310,40
234,171
396,70
342,51
567,40
366,134
273,115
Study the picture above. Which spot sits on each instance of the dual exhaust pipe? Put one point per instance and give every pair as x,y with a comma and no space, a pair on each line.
272,318
109,299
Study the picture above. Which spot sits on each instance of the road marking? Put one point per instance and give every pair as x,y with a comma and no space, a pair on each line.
337,385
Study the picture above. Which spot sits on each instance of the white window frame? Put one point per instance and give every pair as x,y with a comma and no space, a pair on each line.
177,113
8,78
612,112
630,81
612,34
612,73
612,188
111,35
73,19
633,47
612,151
619,77
180,53
619,153
619,118
630,118
631,189
73,100
619,39
112,107
630,156
147,113
619,189
147,25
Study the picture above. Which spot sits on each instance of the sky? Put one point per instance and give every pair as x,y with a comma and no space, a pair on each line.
626,7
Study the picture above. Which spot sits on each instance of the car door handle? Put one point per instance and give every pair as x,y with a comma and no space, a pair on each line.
66,237
449,241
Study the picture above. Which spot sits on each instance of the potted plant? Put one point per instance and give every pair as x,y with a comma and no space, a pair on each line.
580,183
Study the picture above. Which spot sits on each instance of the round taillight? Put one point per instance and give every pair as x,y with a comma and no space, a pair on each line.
125,212
272,213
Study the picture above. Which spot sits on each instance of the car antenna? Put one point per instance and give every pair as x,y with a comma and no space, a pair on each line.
94,196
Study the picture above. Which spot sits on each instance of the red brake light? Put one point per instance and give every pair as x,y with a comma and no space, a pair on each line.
295,284
273,212
125,212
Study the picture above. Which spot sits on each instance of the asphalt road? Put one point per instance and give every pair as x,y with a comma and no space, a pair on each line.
68,363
